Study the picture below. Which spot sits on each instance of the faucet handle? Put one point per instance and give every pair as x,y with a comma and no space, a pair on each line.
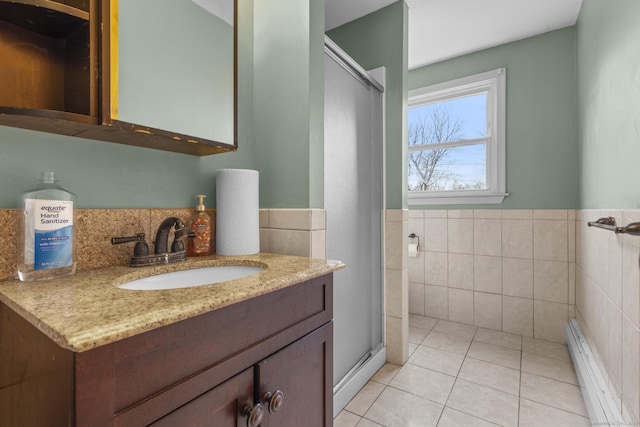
141,248
178,243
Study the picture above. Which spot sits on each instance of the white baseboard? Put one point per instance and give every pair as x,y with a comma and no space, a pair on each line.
597,397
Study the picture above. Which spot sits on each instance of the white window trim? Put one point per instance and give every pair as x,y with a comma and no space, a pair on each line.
495,82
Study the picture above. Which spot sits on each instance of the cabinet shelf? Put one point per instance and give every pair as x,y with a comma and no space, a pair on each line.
48,18
52,74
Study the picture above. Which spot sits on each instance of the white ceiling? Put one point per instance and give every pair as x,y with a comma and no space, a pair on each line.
443,29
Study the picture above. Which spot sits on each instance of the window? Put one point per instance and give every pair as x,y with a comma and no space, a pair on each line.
457,141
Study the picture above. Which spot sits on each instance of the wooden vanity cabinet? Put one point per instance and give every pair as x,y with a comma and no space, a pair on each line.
207,370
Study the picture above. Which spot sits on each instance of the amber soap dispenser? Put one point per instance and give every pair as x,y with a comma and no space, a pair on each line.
200,224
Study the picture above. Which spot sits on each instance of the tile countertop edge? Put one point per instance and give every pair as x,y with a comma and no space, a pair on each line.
88,310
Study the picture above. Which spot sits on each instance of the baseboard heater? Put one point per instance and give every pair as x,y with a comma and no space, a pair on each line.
597,397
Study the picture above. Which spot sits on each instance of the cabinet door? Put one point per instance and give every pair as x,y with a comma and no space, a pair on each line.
221,406
303,373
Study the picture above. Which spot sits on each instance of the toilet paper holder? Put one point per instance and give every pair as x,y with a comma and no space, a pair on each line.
415,236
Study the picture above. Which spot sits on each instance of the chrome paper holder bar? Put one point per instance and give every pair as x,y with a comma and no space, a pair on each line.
609,223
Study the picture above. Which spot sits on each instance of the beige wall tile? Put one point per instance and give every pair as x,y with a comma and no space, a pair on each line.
436,303
517,316
551,281
560,214
318,219
630,371
487,237
395,244
434,237
631,278
416,268
460,268
416,225
487,274
460,213
613,320
319,244
572,284
290,219
436,270
571,236
264,240
549,319
396,299
517,214
263,216
435,213
615,269
290,242
517,238
461,306
396,215
397,339
460,236
416,298
487,213
550,240
487,310
517,277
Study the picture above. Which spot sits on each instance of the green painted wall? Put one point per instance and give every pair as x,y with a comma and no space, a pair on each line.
542,120
380,39
285,96
608,35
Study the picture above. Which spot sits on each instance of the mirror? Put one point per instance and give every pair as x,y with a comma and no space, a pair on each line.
174,70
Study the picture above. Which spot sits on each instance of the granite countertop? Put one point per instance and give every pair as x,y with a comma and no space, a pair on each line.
88,309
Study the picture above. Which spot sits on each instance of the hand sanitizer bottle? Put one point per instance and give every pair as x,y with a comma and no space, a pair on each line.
46,234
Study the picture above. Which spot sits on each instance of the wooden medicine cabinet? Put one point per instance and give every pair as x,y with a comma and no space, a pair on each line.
121,71
49,67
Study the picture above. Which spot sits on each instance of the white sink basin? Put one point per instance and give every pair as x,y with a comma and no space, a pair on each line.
190,278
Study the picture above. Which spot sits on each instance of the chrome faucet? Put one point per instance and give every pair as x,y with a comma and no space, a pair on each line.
161,255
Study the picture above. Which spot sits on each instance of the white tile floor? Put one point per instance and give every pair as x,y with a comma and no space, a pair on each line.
461,375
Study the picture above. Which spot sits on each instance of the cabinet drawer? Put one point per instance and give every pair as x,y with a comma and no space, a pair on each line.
149,363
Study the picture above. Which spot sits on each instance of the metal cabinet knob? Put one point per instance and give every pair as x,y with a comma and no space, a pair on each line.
254,414
273,401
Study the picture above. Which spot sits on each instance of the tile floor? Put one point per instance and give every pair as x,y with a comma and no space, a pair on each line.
461,375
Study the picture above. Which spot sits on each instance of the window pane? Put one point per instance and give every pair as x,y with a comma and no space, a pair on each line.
445,169
452,120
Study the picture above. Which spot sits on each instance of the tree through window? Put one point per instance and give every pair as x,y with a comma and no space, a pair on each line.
456,141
